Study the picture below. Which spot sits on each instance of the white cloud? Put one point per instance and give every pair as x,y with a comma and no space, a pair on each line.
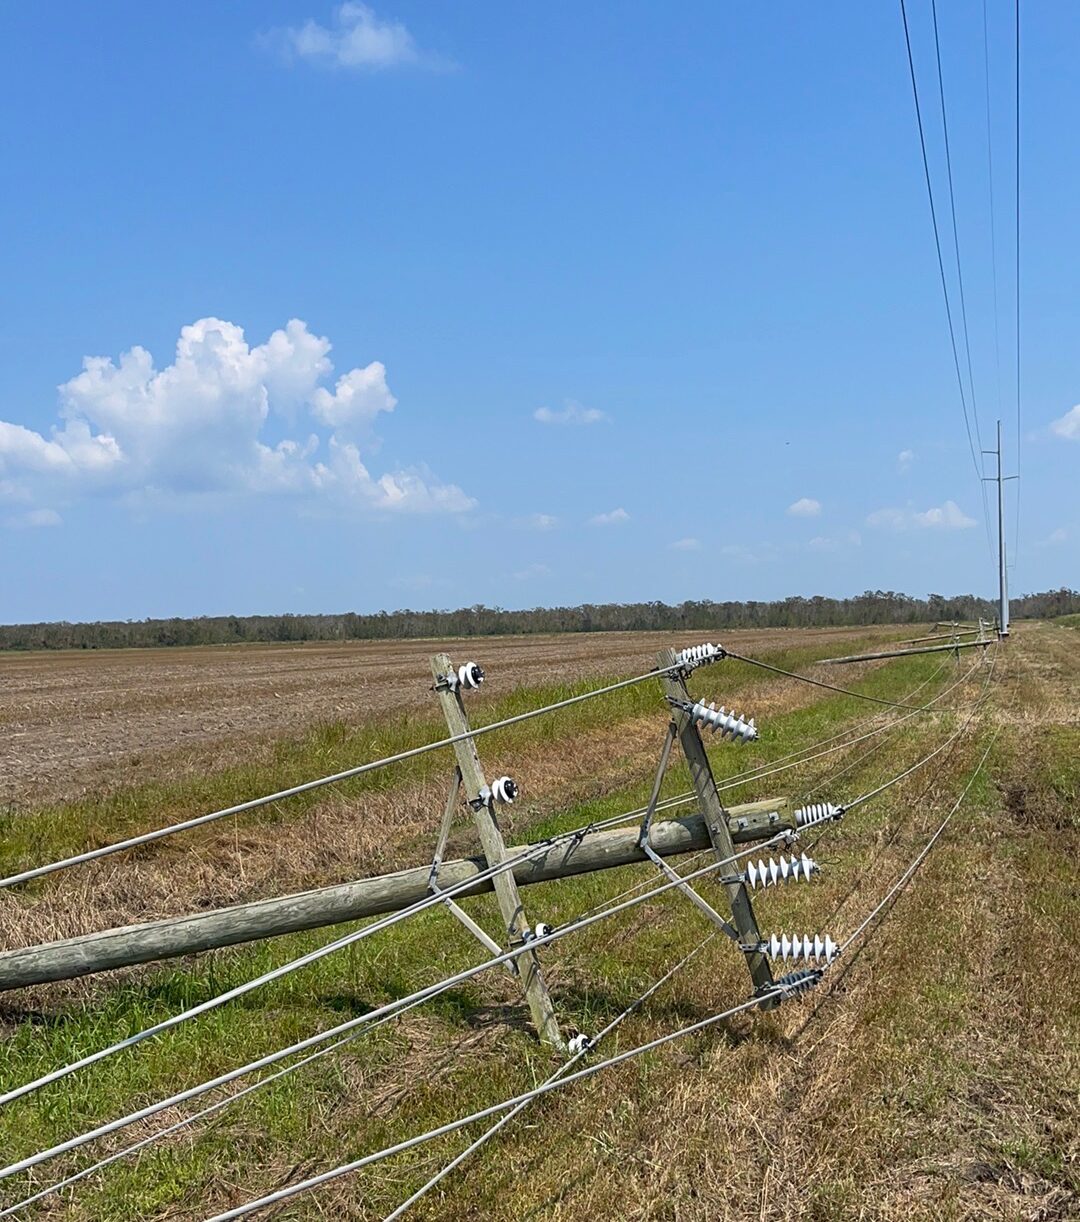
357,38
948,517
765,553
941,517
685,545
210,423
904,460
35,518
829,543
615,518
572,413
357,398
540,521
532,571
1068,426
1059,535
805,507
822,543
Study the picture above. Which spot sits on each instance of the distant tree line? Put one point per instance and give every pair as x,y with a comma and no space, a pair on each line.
873,607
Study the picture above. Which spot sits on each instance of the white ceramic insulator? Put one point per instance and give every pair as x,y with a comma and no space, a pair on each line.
817,812
504,789
767,873
579,1043
542,929
730,725
801,947
699,655
469,675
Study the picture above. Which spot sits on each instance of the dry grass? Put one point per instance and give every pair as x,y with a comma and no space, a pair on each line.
934,1075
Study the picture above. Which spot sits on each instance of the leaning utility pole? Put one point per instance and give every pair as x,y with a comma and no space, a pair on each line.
1003,581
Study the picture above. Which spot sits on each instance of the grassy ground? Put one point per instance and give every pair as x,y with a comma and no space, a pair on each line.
932,1075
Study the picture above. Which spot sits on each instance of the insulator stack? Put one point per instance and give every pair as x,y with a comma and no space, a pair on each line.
798,982
767,873
699,655
817,812
504,790
469,675
730,725
801,947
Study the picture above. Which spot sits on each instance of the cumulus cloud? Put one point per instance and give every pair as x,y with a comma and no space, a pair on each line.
805,507
940,517
1068,426
615,518
572,413
356,39
904,460
540,521
1056,536
685,545
210,422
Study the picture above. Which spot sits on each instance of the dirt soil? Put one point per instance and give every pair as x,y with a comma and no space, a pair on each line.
77,720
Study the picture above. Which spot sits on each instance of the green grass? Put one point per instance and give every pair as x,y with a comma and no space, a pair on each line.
458,1053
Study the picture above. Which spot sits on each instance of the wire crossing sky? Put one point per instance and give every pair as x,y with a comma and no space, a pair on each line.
314,307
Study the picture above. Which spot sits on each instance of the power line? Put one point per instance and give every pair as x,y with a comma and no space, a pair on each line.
561,1072
372,765
1016,545
941,271
307,786
517,1101
846,691
955,229
956,248
453,1126
423,994
993,221
909,873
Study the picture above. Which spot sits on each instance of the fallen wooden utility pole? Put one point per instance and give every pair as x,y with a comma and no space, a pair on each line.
938,637
368,897
901,653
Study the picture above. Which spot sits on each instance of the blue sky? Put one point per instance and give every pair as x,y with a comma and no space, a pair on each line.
312,308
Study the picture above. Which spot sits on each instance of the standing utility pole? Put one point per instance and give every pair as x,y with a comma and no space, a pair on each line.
1003,581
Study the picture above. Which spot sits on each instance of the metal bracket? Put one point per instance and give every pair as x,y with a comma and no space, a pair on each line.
701,904
658,781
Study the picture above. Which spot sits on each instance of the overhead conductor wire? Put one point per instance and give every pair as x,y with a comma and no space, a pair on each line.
563,1069
316,1181
422,994
941,269
307,786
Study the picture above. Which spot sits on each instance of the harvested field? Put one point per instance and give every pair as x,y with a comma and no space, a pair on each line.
82,719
